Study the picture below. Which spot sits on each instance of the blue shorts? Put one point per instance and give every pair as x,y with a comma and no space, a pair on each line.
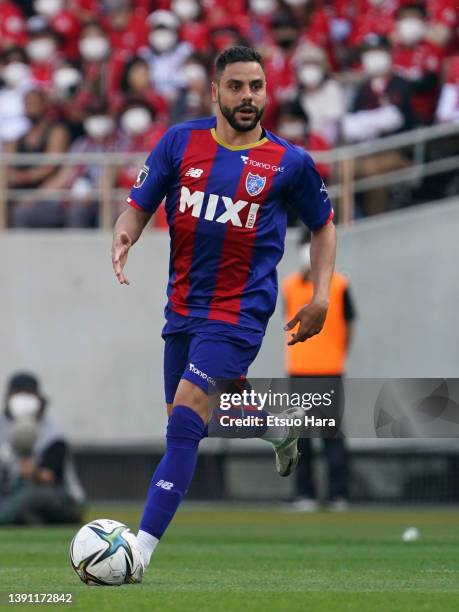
202,351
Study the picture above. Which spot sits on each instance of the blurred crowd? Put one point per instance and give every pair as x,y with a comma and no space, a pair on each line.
111,75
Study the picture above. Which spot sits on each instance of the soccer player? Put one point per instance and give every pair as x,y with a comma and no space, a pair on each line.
227,182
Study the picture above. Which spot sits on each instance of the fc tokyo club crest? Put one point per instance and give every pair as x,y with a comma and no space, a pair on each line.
142,176
254,183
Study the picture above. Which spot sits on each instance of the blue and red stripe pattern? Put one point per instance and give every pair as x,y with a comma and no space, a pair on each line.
226,208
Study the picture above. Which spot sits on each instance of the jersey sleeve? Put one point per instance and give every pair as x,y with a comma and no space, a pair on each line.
154,178
308,194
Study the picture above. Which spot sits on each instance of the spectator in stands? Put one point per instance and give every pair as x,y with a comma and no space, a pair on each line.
166,54
417,60
443,25
101,136
101,65
448,104
12,25
64,22
280,59
375,17
38,482
260,20
136,83
126,25
15,79
320,95
194,99
43,136
141,129
194,28
294,125
382,107
42,50
67,98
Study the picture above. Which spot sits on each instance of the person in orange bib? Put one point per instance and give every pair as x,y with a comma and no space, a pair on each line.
322,356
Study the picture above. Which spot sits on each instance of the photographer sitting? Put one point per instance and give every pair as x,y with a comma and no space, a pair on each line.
38,483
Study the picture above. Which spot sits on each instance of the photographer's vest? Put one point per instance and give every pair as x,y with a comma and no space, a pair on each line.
325,353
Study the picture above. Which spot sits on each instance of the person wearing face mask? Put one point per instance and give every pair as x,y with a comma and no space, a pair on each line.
101,65
140,129
12,25
193,100
43,136
293,124
194,28
63,21
135,83
417,60
15,79
166,54
321,357
42,51
38,481
100,136
320,95
382,106
126,24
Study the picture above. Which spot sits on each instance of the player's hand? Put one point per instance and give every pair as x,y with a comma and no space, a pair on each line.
120,248
311,319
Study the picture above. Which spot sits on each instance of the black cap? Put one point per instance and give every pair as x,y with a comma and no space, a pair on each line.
375,41
23,382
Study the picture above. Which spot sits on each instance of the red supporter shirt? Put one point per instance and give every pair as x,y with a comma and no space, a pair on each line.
12,26
133,36
68,26
373,20
414,63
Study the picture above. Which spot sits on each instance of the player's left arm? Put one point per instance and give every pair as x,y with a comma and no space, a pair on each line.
311,317
310,198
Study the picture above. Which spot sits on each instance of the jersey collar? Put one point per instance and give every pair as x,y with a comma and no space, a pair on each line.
251,145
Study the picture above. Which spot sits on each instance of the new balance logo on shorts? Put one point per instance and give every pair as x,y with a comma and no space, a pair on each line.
202,374
163,484
194,172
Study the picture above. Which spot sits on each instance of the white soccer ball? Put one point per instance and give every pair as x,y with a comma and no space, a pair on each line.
105,552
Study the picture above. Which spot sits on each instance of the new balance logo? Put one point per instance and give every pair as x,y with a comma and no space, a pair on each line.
259,164
194,172
163,484
195,201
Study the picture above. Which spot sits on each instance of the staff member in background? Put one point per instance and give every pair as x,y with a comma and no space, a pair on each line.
324,355
38,483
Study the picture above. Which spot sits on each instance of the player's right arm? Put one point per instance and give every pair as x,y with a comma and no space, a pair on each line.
127,231
146,195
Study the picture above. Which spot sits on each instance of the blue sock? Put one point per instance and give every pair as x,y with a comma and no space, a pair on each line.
175,471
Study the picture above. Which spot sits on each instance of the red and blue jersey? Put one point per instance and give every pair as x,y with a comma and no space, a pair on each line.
226,210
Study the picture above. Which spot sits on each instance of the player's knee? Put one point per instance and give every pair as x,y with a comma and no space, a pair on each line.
189,394
185,427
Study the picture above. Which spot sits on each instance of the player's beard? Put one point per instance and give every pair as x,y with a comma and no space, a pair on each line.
230,116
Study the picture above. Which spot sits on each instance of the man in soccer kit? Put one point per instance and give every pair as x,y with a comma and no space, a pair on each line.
227,182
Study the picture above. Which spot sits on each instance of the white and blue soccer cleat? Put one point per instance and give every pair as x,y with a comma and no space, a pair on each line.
286,450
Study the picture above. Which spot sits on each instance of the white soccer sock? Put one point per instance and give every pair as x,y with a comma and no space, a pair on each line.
147,544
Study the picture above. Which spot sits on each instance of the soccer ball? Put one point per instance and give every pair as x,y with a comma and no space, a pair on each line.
105,552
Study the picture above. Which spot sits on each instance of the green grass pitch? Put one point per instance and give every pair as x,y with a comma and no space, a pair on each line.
227,558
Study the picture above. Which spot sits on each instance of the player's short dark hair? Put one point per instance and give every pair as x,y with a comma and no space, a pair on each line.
236,54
